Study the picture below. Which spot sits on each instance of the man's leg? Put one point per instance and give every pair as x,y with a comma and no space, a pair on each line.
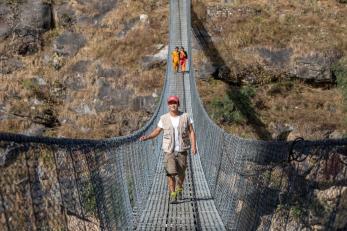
180,181
171,172
171,183
181,166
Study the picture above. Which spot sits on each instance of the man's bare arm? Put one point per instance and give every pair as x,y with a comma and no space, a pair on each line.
192,138
153,134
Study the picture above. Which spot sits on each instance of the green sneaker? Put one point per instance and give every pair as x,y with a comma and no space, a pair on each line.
179,193
173,198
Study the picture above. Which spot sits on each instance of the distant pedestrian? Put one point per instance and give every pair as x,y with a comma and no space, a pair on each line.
178,138
175,56
183,59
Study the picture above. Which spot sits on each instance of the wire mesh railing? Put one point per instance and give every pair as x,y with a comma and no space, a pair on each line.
256,185
69,184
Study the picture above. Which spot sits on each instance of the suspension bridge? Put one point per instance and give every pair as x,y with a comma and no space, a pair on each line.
120,184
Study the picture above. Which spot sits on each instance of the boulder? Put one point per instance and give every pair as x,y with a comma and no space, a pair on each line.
281,131
36,14
108,72
97,9
68,44
28,44
6,20
80,67
27,20
144,18
84,109
9,65
102,7
64,15
275,57
103,89
206,70
333,200
5,30
315,67
157,60
74,82
127,26
147,103
108,97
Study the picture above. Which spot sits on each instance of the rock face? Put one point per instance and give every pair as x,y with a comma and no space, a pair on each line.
69,43
108,72
152,61
9,65
331,199
284,60
5,20
37,15
128,26
107,97
281,131
277,58
315,67
26,21
4,30
206,70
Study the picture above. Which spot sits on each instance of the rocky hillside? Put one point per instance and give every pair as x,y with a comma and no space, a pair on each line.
95,68
80,68
273,70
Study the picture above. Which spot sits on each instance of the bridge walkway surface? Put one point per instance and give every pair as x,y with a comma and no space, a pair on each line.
196,211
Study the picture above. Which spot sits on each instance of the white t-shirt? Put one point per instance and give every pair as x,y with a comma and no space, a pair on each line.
175,122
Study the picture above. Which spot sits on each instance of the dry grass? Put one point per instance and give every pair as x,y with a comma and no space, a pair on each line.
103,48
313,112
304,26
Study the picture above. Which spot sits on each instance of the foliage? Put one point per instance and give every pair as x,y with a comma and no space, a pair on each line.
226,109
296,211
340,71
89,200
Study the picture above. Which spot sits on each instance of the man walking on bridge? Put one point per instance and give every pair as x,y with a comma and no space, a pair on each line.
178,138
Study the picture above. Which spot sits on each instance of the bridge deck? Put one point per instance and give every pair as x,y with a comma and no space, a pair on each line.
197,210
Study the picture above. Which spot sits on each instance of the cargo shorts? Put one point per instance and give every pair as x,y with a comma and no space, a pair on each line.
175,163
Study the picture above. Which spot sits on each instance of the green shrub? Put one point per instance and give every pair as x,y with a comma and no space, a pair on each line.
227,109
224,111
296,212
340,71
88,198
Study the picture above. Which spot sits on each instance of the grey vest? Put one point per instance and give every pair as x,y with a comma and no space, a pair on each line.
169,133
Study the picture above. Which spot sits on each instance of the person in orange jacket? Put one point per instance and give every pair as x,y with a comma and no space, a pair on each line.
183,59
175,56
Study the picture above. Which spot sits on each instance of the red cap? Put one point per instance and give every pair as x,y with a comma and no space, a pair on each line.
173,98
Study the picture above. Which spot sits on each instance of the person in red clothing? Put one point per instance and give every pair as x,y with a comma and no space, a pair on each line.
183,59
